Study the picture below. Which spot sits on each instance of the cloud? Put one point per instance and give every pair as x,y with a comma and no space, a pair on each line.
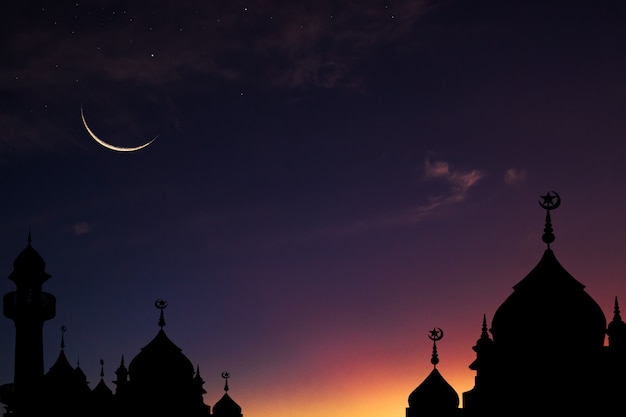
275,43
81,228
514,176
460,182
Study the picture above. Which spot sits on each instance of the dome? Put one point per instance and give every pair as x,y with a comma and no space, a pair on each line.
434,394
551,305
29,265
162,360
102,392
226,407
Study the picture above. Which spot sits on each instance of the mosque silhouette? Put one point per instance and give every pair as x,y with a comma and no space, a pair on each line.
159,381
545,353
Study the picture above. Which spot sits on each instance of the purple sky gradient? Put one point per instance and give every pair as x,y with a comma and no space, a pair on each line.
329,181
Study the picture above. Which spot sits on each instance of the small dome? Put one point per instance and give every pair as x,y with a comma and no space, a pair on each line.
29,265
61,370
226,407
434,394
549,298
102,392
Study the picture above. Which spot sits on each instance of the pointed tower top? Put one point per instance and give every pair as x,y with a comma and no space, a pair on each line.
616,315
161,305
616,330
63,330
435,334
549,203
225,375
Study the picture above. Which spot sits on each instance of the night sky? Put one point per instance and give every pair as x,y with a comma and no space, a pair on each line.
330,180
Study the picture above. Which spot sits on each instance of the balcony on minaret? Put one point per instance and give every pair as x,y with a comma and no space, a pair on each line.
41,306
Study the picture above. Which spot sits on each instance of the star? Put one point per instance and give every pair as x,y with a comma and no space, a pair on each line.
435,334
547,199
549,202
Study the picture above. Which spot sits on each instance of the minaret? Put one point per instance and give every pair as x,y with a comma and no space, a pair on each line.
28,306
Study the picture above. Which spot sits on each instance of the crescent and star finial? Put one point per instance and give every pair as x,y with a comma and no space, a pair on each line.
549,202
225,375
161,305
435,334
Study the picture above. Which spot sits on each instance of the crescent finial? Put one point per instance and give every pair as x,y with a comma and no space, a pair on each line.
435,334
550,202
225,375
161,305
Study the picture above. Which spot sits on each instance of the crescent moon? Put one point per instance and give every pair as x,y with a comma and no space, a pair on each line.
108,145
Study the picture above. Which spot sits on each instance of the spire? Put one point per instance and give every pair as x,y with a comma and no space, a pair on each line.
616,330
121,374
29,240
616,315
63,330
197,376
435,334
484,334
548,204
225,375
101,368
161,305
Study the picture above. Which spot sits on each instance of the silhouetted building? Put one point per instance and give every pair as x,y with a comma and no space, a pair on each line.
544,354
434,396
160,380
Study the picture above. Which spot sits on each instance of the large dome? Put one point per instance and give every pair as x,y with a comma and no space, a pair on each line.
161,360
549,305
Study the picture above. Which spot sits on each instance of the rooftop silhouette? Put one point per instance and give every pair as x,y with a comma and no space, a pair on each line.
544,353
159,380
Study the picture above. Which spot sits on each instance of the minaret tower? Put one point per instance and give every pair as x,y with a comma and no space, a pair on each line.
28,306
